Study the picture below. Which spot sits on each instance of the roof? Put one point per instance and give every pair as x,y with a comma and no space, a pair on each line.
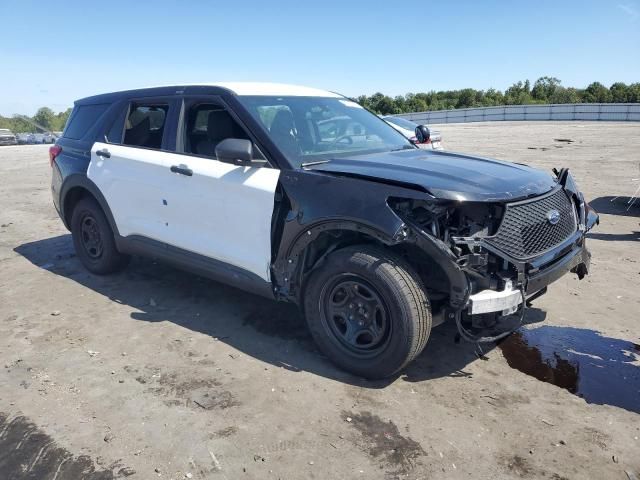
237,88
271,89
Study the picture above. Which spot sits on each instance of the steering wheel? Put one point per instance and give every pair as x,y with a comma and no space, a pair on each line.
343,137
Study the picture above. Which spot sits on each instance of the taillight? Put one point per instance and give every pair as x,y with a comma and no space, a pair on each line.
54,151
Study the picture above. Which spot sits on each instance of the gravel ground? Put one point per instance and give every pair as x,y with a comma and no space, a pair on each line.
157,373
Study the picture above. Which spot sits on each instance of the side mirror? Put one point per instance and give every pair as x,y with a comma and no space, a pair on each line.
423,135
237,151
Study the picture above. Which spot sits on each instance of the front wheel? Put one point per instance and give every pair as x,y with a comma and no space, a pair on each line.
367,311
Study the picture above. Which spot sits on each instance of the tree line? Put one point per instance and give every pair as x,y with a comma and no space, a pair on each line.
545,90
45,119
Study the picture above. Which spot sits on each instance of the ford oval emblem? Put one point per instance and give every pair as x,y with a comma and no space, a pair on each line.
553,216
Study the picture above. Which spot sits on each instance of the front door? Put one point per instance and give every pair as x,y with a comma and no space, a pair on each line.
216,209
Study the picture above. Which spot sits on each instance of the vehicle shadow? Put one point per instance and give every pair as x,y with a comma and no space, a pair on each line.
269,331
615,237
612,205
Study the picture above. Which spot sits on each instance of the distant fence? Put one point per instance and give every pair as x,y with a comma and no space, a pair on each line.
567,111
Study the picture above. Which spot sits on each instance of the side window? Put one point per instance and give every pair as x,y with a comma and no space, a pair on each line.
206,126
145,125
82,119
115,133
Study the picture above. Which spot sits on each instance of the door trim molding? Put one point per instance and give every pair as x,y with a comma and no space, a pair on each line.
193,262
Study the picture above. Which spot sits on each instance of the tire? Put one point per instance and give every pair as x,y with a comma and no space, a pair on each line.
367,310
93,239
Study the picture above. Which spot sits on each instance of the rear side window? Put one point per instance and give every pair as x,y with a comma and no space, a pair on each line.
145,125
82,119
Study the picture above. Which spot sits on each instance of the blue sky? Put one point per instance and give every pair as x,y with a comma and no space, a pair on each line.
55,52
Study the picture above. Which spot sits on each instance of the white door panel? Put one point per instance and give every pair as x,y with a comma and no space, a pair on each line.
133,181
223,212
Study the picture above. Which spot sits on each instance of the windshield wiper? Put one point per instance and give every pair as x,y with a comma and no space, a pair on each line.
404,147
317,162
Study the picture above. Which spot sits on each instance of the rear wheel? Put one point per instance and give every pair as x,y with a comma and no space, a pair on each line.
367,311
93,239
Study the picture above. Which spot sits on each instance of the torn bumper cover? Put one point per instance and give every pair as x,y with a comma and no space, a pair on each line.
508,300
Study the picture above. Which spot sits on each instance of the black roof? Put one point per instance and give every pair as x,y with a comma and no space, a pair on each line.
155,92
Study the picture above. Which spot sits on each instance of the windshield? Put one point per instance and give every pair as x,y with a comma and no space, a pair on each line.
312,129
5,131
402,123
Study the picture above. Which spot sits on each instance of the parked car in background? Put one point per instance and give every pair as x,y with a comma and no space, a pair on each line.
23,138
48,137
38,138
7,137
408,129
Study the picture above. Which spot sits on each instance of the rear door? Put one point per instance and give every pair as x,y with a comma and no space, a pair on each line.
131,166
216,209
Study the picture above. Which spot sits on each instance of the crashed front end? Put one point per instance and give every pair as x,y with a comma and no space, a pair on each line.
500,252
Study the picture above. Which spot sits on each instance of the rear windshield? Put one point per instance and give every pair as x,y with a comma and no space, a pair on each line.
82,119
402,123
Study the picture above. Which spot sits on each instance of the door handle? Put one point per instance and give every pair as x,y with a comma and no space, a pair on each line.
182,170
103,153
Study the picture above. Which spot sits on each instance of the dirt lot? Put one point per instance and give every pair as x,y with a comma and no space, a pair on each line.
157,373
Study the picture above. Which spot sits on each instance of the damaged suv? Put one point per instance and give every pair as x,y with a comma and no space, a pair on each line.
302,195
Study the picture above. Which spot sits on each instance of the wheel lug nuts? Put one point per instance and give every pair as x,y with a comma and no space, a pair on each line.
351,305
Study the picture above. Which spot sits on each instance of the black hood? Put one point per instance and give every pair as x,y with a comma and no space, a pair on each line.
451,176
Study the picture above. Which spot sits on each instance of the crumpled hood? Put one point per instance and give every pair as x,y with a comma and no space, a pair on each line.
446,175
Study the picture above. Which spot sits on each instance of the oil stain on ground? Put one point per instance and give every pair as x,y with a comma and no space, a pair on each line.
600,369
398,454
28,453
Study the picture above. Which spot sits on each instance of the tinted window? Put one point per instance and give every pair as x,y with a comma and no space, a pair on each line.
402,123
115,133
82,119
145,125
206,126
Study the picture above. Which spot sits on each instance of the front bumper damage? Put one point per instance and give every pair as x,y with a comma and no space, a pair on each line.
531,278
507,300
523,280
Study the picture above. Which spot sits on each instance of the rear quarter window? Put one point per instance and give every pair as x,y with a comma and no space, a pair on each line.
82,119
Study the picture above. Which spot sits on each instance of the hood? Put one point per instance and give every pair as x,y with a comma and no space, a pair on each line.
446,175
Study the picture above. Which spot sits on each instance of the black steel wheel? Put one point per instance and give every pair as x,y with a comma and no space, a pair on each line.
355,314
367,310
93,239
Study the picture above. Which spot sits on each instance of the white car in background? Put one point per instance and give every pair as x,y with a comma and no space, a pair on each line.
408,129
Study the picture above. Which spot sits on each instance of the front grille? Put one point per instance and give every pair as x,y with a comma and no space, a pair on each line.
526,231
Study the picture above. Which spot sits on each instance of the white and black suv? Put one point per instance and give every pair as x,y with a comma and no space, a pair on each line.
302,195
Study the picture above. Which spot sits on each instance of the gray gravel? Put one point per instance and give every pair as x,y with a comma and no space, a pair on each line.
155,372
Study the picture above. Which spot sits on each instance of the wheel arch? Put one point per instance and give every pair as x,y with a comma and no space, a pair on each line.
314,243
75,188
